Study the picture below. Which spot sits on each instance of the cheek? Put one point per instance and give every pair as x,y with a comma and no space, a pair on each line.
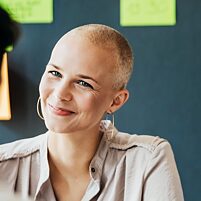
86,102
41,85
40,89
43,88
90,103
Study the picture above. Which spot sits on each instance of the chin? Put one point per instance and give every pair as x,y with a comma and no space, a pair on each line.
56,128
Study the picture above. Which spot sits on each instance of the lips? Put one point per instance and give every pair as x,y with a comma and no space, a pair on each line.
60,111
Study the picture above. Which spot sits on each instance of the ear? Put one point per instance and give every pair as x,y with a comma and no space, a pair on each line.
119,99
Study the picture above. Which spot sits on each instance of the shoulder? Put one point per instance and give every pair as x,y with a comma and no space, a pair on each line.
144,153
21,148
142,149
125,141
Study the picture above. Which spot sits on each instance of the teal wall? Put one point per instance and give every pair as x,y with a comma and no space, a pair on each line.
165,88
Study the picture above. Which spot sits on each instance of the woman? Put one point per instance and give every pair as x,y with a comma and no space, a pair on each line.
82,157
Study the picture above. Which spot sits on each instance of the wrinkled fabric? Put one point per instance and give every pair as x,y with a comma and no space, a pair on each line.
124,168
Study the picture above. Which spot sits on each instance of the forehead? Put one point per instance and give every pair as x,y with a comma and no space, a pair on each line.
76,49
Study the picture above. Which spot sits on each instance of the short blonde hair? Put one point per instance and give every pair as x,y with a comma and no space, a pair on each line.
107,37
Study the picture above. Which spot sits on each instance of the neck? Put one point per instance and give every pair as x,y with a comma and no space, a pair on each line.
72,153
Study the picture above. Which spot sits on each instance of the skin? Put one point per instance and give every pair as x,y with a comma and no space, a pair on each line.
76,91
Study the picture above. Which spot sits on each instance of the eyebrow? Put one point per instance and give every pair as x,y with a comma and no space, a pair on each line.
49,64
79,75
87,77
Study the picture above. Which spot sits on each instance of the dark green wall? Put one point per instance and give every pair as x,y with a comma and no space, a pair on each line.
165,88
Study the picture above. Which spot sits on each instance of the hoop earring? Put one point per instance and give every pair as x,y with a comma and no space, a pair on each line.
38,110
112,114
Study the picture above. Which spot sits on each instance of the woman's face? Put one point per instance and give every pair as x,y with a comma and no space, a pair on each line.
76,87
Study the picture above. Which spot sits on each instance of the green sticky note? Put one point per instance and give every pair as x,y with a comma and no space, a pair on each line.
29,11
147,12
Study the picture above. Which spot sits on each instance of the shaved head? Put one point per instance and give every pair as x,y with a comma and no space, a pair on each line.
109,39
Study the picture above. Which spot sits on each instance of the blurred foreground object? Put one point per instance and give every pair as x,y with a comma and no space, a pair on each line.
9,32
5,111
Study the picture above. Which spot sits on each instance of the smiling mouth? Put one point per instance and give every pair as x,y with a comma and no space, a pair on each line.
60,111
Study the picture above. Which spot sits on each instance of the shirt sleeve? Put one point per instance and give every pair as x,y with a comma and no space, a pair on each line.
162,182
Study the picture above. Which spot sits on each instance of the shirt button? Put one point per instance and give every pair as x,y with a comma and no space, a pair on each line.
93,170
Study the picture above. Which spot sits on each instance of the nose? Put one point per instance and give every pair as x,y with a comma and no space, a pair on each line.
63,92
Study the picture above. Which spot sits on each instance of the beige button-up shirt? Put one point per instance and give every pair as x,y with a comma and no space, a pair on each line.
124,168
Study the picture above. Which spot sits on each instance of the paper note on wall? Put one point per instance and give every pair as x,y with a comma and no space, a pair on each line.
147,12
29,11
5,111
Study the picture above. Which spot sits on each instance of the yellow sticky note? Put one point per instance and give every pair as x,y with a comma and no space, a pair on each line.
5,111
147,12
29,11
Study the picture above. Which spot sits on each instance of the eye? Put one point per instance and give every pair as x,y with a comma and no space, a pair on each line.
55,73
84,84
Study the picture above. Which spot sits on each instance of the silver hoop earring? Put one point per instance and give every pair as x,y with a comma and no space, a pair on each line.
112,114
38,110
